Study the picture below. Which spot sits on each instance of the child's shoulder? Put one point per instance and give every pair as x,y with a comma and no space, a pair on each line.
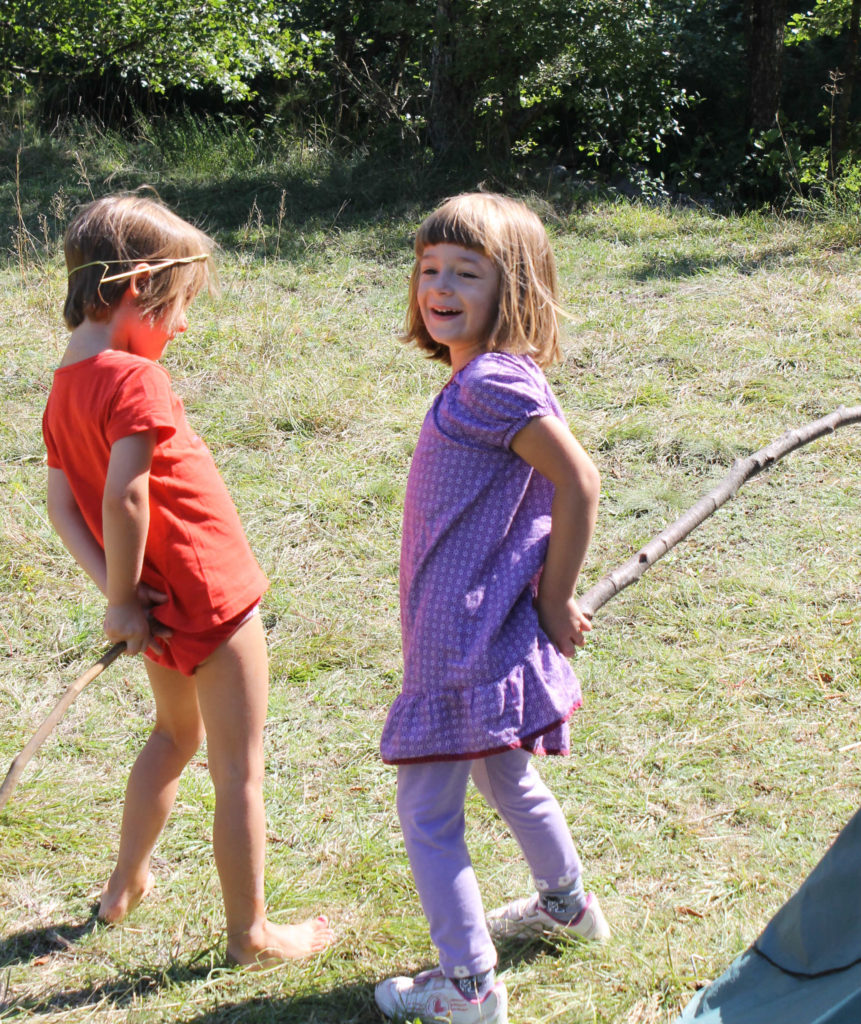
498,389
492,371
108,376
119,362
490,364
111,362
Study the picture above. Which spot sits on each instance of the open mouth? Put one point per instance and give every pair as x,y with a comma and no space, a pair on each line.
444,312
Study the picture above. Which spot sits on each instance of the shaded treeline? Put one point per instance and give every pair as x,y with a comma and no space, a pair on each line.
740,99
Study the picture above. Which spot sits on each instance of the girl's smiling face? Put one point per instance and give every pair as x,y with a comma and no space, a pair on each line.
458,298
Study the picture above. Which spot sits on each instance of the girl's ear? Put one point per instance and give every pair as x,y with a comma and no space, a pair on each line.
140,273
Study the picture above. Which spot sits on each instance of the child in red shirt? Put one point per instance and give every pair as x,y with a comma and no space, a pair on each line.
139,503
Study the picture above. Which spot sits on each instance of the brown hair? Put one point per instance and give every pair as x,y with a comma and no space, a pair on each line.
511,235
113,234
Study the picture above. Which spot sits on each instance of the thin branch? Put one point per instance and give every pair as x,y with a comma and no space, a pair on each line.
742,470
59,709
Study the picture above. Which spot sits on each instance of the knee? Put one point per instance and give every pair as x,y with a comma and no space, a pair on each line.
430,800
184,743
430,821
240,772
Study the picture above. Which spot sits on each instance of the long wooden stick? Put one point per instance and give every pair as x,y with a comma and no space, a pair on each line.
18,765
742,470
596,597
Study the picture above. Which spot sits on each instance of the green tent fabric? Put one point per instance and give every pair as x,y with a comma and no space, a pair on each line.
805,968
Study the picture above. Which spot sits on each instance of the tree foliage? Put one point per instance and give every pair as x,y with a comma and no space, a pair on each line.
497,76
834,19
651,87
221,45
825,18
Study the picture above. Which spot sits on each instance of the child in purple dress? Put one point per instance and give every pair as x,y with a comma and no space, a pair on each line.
500,506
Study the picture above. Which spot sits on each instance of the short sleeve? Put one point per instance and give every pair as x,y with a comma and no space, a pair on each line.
144,401
50,445
496,396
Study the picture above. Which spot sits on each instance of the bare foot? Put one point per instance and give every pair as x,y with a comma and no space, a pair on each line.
279,942
114,906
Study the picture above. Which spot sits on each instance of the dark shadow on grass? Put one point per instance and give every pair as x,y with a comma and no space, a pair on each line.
513,952
42,182
679,267
24,947
347,1004
111,994
351,1003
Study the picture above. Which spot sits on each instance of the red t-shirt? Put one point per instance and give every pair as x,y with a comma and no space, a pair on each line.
196,550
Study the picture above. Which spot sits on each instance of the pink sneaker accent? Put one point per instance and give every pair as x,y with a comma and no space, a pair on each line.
526,918
431,998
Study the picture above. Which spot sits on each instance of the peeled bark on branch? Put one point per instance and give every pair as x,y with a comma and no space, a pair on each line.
742,470
59,709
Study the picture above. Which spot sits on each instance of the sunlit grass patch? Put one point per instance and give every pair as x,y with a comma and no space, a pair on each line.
716,754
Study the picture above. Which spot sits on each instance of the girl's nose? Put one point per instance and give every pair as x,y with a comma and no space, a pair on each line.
182,324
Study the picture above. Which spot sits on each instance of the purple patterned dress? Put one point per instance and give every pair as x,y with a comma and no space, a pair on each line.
480,675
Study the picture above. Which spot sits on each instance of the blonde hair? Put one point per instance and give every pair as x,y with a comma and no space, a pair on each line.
110,236
513,238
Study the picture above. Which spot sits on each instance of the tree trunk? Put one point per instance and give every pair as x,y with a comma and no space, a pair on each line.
847,83
450,119
766,21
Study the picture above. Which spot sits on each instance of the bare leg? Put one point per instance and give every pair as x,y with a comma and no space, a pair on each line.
233,692
151,789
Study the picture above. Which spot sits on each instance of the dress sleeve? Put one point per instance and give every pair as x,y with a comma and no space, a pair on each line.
497,397
145,401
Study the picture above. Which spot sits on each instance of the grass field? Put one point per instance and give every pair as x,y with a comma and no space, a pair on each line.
718,750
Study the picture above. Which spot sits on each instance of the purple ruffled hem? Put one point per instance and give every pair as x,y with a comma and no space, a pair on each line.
521,710
548,741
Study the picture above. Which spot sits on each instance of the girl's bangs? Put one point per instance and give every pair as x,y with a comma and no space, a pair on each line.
452,226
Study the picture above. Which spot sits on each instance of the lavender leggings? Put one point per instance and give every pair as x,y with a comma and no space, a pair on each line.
431,809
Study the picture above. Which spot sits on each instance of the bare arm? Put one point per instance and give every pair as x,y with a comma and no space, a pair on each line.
67,520
125,523
548,446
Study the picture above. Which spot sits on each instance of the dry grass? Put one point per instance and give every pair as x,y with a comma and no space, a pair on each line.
716,754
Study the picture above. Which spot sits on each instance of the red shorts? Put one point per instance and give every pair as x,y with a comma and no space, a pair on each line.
186,651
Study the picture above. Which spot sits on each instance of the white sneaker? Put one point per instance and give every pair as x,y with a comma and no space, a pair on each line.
526,918
431,998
